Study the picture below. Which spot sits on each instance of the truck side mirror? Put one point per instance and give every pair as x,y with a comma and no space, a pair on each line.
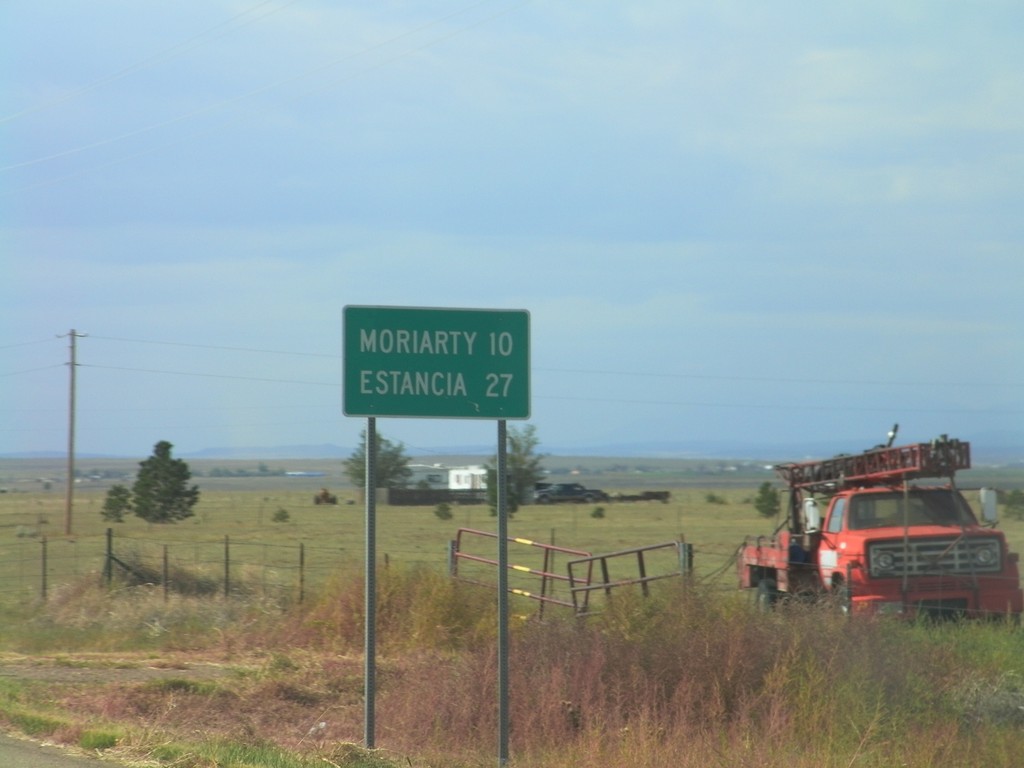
989,511
812,516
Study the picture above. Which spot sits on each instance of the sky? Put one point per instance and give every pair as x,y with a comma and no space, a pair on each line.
731,223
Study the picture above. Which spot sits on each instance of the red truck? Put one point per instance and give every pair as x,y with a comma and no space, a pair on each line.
885,544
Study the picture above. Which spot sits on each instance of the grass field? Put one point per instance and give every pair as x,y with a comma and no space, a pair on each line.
691,676
333,537
258,523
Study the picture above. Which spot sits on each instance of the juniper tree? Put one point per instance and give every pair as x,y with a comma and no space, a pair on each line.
522,466
161,493
391,468
767,501
117,503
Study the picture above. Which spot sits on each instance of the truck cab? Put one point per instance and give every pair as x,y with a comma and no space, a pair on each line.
883,544
884,548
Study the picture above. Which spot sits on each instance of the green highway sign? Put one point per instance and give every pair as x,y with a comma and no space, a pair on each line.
436,363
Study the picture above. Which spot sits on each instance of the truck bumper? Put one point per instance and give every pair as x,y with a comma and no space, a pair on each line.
952,605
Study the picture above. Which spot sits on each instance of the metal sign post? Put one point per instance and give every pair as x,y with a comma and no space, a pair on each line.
436,363
503,653
370,655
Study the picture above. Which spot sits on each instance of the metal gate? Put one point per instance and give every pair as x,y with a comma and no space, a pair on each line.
585,573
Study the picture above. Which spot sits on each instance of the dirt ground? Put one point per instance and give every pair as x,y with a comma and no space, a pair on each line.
98,669
296,706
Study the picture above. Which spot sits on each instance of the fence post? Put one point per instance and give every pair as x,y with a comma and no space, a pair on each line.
685,556
166,575
108,568
642,570
43,586
227,567
453,568
302,572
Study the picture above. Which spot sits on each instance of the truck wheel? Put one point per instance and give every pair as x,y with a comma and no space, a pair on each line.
841,596
767,594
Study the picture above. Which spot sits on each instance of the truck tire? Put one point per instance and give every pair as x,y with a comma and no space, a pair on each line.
841,597
767,594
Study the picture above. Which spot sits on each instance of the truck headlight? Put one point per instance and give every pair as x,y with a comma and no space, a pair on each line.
884,561
985,555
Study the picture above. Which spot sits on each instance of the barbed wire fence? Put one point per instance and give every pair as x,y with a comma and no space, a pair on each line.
203,567
224,568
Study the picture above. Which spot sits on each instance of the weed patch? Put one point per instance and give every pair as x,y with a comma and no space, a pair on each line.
687,676
94,740
181,685
35,724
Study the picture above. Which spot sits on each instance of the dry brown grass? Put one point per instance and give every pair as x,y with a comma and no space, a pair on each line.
687,677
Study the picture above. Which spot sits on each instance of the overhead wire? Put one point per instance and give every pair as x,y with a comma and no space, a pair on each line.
27,343
209,375
165,54
607,372
776,406
33,370
135,426
214,346
574,398
337,384
255,92
778,380
620,401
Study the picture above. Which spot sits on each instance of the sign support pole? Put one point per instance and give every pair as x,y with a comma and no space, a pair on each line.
428,362
370,671
503,647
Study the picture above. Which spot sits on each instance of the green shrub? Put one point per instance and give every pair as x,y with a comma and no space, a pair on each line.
281,515
768,501
182,685
35,724
93,740
1015,504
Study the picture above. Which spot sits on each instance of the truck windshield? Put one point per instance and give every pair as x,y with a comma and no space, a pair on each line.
918,507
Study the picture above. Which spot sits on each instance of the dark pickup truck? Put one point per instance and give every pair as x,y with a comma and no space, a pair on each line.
554,493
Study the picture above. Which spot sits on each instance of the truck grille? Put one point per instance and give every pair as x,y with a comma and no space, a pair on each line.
922,557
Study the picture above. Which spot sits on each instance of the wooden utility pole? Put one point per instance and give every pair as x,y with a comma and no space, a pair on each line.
69,492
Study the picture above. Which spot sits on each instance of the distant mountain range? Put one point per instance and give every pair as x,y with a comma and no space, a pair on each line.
991,449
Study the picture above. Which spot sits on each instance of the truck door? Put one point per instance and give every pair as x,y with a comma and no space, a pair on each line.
830,551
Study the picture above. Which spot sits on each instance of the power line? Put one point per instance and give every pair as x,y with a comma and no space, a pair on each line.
27,343
249,94
218,347
166,54
176,425
804,407
888,408
209,375
610,372
777,380
168,409
33,370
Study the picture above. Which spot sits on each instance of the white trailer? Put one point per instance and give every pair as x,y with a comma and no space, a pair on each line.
472,478
429,476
